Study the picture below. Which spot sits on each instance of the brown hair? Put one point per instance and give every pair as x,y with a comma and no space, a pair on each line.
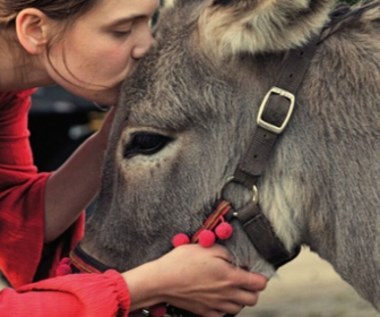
64,11
59,10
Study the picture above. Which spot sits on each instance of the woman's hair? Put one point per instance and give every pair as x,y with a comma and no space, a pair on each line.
60,10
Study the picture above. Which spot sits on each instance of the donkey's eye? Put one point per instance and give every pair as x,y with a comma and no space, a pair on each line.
146,144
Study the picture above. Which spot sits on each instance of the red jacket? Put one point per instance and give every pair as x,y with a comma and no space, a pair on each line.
23,255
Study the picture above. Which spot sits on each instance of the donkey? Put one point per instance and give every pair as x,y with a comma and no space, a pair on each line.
187,117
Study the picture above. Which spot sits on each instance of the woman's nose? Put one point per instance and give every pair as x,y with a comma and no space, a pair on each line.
144,43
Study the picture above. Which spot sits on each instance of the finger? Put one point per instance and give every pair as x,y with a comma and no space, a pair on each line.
221,252
213,313
199,309
230,308
205,311
252,281
244,298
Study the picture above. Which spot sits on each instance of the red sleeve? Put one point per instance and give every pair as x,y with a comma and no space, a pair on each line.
84,295
22,198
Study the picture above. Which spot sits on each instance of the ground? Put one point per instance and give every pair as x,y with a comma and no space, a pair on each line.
309,287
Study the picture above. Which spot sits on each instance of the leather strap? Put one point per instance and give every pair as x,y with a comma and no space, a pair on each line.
81,262
260,232
273,117
275,110
344,15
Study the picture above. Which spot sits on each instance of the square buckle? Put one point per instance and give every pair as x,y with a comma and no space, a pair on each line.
268,125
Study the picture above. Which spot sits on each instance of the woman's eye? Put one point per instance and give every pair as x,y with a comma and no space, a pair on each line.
146,144
120,34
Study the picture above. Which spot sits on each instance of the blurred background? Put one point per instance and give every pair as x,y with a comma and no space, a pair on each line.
308,286
59,122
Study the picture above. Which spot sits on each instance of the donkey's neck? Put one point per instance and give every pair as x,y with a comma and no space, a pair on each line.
282,208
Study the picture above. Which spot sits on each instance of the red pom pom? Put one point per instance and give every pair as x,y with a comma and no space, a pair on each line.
206,238
64,267
224,231
158,311
180,239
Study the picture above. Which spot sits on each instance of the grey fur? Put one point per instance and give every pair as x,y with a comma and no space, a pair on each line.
322,187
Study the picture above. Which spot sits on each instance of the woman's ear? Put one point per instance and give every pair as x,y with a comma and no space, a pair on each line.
31,30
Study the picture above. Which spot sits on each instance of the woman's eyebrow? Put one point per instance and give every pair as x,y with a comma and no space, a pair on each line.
128,19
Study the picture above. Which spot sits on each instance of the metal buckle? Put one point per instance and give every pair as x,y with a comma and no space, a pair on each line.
270,126
255,195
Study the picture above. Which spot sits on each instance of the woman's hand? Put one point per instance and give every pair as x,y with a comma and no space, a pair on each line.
196,279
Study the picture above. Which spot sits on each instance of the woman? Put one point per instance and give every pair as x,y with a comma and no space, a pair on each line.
88,47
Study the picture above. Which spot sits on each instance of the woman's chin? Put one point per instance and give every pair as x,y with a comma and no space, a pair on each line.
106,99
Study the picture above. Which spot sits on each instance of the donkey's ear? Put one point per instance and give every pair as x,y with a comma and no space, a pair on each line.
230,27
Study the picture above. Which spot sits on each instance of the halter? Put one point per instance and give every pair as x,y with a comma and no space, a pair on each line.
273,117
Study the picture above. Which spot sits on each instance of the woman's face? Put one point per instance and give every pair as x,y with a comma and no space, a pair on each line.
101,48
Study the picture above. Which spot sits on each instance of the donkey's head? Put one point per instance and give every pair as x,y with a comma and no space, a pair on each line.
184,121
